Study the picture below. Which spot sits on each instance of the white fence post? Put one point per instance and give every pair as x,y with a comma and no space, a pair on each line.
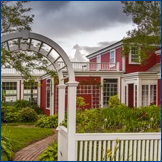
61,102
71,122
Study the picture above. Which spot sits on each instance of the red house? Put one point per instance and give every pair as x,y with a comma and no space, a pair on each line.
107,73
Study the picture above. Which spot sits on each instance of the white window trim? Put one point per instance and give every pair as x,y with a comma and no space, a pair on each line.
114,61
130,59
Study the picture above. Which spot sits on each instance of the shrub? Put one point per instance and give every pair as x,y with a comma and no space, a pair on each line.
80,102
9,114
11,117
47,122
89,121
20,104
7,152
28,115
50,154
119,119
114,101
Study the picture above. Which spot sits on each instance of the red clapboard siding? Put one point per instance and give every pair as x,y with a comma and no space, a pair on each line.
151,61
119,57
93,60
88,80
105,57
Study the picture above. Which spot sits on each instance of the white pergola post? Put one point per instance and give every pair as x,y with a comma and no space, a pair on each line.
71,122
61,102
66,136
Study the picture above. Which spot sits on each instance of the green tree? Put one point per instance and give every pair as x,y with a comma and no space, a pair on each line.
15,17
146,16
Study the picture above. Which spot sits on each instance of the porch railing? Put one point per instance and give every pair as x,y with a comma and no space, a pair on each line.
8,71
77,66
91,66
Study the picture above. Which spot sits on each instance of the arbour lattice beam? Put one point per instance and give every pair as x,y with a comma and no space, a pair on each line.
25,35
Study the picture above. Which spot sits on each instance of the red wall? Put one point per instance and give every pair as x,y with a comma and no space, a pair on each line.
88,97
105,57
151,61
93,60
119,57
88,80
43,97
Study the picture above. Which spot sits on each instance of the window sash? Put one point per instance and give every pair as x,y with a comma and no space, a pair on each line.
134,55
110,88
112,57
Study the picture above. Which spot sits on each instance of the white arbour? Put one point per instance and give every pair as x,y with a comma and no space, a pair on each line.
29,41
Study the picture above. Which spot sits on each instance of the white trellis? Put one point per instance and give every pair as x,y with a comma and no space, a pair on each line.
48,48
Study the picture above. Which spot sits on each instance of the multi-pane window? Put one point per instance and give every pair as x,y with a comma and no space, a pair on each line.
112,56
145,95
48,91
134,55
31,91
110,88
93,91
153,94
148,95
10,91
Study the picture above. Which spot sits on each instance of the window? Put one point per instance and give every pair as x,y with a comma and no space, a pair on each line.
112,57
134,55
148,95
31,91
153,94
48,90
144,95
90,90
10,91
109,89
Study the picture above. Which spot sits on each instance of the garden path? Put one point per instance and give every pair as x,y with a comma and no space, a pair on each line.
31,152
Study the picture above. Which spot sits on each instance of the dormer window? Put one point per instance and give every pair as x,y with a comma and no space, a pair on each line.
112,57
134,55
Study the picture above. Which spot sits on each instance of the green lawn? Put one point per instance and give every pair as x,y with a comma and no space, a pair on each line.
24,135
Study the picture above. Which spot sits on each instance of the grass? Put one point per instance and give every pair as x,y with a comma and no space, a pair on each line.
22,136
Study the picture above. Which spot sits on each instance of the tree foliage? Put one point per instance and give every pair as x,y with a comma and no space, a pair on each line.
17,16
146,16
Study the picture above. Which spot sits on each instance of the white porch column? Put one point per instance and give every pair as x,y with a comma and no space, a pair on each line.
123,91
18,90
71,122
139,93
61,102
22,89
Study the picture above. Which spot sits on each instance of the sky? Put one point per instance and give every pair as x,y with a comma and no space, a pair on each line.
87,25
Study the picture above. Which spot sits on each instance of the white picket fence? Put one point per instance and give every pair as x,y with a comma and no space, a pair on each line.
112,146
118,147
